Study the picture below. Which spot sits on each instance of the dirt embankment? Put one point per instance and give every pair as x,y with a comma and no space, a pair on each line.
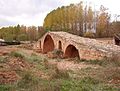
11,66
8,66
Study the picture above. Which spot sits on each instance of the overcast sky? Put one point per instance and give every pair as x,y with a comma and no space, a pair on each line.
33,12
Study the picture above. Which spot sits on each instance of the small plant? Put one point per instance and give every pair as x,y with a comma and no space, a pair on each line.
113,60
27,81
85,84
103,62
33,54
59,74
57,53
89,34
3,59
89,80
16,54
6,88
46,64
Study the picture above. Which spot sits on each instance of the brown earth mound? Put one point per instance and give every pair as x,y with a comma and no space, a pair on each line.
18,63
3,53
8,77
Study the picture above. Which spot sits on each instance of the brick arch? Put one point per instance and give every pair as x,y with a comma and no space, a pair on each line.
71,51
40,44
48,44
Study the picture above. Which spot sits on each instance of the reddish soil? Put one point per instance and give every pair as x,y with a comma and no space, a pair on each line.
6,50
18,63
8,77
71,65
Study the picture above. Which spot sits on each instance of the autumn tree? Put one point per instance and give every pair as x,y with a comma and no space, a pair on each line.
102,23
32,33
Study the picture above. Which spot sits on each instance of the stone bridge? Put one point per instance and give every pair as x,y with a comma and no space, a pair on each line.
76,46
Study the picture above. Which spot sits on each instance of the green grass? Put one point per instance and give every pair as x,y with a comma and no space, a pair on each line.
90,80
30,58
95,62
17,54
7,87
85,84
3,59
29,83
104,62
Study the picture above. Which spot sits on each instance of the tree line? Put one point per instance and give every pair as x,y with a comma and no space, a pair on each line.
81,20
21,33
77,19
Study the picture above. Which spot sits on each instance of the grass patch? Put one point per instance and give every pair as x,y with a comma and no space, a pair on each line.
4,88
59,74
30,58
17,54
105,62
7,88
28,80
60,80
95,62
3,59
29,83
85,84
114,61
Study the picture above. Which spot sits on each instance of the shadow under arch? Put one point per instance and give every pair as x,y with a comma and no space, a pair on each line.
60,45
48,44
71,52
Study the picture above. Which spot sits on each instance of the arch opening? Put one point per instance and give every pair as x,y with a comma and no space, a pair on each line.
71,52
40,44
48,44
59,45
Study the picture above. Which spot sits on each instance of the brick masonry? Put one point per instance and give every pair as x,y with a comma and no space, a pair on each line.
84,48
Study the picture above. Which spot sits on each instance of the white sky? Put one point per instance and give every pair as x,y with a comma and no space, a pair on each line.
33,12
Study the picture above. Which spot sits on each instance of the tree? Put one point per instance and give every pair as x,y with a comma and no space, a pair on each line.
32,33
90,18
22,37
102,22
78,19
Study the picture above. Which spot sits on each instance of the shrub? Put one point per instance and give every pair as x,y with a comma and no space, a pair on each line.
89,34
6,88
96,62
46,64
22,37
57,53
27,81
60,74
114,59
3,59
34,58
85,84
16,54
